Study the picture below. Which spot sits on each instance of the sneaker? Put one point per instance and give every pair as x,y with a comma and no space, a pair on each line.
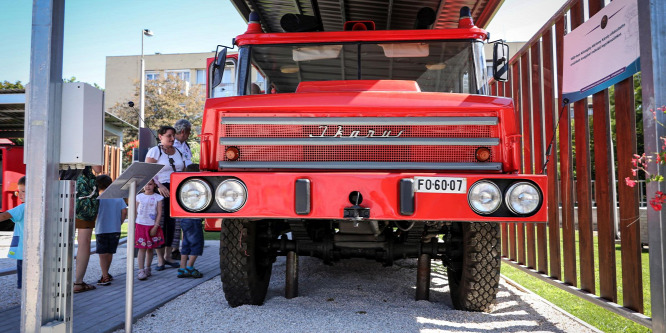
148,272
183,273
142,274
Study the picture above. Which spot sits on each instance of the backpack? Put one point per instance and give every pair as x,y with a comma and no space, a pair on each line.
87,204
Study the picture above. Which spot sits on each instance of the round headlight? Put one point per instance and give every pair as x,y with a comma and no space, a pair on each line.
231,195
195,195
523,198
484,197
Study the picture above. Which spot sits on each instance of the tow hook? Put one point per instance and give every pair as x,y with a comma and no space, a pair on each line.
356,212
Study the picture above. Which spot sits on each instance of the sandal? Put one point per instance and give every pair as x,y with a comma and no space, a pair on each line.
104,280
83,287
183,273
160,268
194,273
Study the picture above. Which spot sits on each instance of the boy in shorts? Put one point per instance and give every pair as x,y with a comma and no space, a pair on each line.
111,214
16,247
191,247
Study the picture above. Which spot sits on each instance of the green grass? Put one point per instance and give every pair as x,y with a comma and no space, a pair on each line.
590,313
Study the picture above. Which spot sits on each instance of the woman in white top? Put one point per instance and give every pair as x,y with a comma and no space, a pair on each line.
173,160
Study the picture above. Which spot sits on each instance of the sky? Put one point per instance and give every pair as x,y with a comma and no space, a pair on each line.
96,29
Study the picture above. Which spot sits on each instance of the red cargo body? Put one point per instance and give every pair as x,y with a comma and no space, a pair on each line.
12,170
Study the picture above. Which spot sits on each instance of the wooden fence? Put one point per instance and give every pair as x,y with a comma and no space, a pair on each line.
112,161
536,87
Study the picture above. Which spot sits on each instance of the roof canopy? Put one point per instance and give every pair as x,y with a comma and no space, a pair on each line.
387,14
12,116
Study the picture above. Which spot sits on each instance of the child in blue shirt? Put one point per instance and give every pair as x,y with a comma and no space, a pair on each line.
16,246
111,214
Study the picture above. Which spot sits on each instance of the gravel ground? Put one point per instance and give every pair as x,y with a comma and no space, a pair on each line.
353,296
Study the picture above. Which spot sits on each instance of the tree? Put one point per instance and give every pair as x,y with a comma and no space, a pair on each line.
167,100
8,85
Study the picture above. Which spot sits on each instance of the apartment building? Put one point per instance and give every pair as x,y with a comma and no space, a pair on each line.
123,73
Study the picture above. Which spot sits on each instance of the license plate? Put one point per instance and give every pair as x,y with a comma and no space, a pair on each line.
440,185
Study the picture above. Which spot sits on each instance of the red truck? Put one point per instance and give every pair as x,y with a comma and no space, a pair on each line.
360,143
11,161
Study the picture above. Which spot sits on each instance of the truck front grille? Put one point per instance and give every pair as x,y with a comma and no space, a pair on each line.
443,142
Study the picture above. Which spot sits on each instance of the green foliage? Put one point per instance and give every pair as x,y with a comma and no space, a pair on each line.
167,100
8,85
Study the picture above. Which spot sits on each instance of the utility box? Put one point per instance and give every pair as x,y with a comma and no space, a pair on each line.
82,125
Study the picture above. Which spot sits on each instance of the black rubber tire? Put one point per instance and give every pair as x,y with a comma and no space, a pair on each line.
474,272
244,262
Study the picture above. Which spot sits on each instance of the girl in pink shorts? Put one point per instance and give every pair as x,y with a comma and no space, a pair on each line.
148,233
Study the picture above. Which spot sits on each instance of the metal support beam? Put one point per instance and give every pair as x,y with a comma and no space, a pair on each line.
42,159
652,28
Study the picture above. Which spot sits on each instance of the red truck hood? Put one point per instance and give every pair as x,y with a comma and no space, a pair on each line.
399,103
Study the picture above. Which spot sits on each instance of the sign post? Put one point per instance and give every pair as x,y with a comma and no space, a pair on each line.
136,176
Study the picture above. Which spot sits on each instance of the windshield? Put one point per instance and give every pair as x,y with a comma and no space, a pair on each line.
437,66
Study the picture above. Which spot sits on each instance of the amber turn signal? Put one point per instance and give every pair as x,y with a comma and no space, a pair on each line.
232,153
482,154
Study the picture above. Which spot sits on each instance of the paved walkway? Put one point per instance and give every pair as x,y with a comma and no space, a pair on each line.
103,309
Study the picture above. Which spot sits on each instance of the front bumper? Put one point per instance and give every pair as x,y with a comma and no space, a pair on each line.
326,195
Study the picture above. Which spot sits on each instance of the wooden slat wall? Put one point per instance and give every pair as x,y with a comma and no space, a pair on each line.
112,160
534,78
526,112
625,123
550,116
603,188
566,172
583,178
537,117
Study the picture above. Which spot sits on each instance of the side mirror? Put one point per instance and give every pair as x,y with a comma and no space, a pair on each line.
218,68
501,61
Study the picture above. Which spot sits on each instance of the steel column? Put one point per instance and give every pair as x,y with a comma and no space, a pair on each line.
42,159
652,27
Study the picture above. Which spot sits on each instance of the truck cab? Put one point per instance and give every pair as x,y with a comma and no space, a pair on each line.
381,145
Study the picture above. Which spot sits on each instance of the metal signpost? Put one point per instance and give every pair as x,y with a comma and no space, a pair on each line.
136,176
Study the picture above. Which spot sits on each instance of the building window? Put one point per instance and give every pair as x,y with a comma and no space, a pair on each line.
152,76
201,76
181,74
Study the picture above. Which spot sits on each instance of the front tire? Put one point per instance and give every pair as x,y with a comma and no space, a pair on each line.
474,271
245,262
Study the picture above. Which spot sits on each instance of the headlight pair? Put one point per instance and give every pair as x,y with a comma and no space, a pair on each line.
485,197
196,195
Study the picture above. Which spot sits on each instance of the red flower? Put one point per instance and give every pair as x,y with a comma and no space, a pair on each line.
630,182
656,205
